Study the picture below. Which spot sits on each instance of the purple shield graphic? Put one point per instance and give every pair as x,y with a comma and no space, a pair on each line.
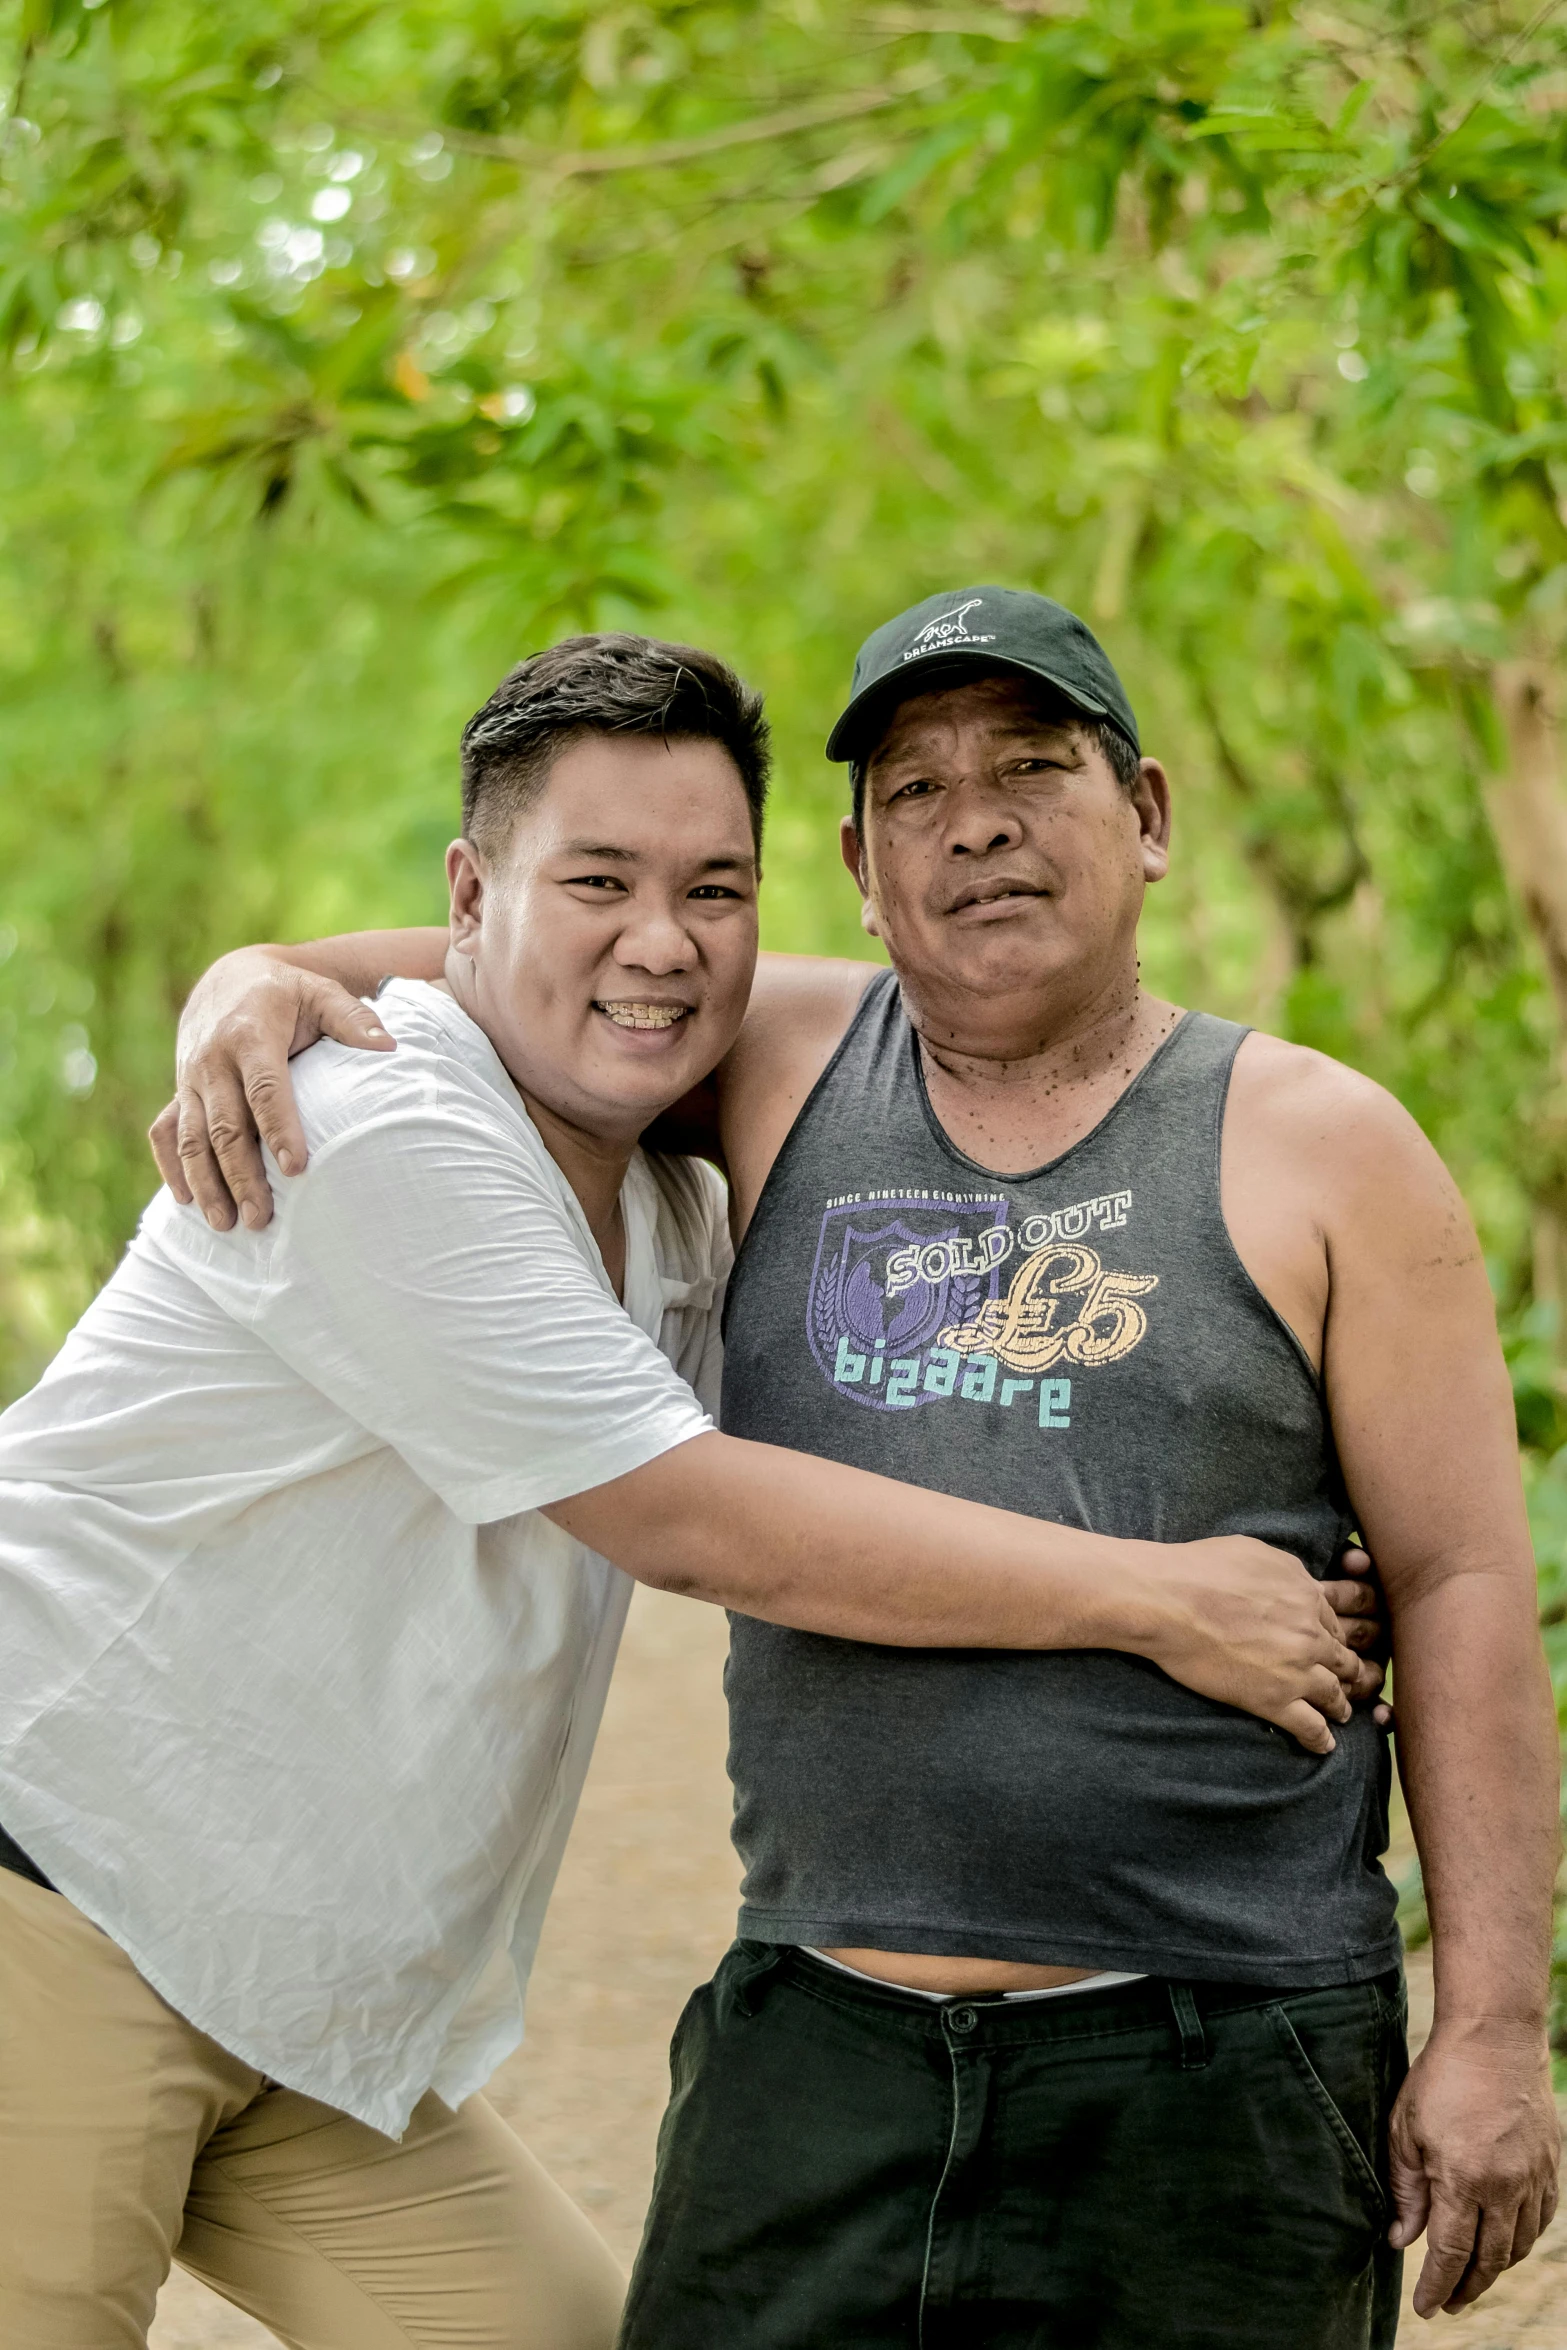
889,1274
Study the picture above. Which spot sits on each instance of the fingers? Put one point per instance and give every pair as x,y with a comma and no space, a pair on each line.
235,1096
1450,2248
1369,1677
1340,1667
1307,1727
1326,1689
346,1018
203,1176
261,1059
1357,1600
1535,2215
1531,2225
1361,1633
1409,2187
164,1136
231,1142
269,1098
1492,2253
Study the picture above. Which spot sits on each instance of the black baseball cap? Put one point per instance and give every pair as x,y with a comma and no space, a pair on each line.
968,631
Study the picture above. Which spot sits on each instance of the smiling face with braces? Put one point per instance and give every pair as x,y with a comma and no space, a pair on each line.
612,935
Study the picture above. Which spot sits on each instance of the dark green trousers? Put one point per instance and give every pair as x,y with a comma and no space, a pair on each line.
1155,2167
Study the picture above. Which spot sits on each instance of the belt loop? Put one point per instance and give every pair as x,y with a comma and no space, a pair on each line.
1194,2040
753,1963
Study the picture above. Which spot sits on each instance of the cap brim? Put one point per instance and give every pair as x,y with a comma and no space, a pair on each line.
846,740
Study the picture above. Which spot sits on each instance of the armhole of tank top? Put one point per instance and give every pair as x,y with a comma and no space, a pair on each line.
875,990
1292,1337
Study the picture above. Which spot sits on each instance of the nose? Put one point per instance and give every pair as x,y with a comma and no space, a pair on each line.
656,940
979,822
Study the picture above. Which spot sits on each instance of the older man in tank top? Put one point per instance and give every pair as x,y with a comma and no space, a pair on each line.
1067,2007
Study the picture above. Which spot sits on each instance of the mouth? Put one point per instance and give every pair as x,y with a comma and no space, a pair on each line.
643,1015
988,896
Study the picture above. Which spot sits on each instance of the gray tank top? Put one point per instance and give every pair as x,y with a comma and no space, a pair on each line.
1082,1344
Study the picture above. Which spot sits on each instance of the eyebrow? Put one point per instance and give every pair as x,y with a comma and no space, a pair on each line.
606,852
1019,730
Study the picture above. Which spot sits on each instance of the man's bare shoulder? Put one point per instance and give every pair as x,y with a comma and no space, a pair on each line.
1310,1095
1332,1193
1300,1117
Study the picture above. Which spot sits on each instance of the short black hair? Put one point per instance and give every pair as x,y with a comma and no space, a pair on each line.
1125,761
606,684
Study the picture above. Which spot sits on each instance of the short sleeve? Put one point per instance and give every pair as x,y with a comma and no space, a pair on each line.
430,1278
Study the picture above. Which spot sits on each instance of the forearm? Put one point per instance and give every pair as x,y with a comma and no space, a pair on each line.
1478,1758
808,1543
360,959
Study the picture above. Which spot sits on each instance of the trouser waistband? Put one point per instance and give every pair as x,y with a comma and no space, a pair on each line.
1146,2002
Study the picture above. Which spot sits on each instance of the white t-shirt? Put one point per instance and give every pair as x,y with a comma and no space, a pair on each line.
298,1687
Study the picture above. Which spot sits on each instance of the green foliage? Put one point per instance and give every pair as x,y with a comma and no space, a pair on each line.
349,352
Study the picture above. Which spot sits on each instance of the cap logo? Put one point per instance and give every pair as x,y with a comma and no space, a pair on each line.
948,628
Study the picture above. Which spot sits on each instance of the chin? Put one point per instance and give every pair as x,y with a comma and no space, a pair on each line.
1022,953
639,1094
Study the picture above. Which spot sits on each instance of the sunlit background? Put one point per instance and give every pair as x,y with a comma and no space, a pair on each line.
350,353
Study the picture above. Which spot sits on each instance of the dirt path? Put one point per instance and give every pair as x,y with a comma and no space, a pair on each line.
645,1906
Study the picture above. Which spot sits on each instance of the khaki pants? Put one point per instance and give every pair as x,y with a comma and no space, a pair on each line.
127,2138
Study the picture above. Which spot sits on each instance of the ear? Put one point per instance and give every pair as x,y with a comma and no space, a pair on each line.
1150,796
465,878
852,850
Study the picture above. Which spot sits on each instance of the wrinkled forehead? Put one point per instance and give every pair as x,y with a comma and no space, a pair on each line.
993,706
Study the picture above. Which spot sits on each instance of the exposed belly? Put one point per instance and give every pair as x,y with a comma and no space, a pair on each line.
917,1972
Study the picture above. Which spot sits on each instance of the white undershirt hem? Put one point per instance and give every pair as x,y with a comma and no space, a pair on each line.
1100,1982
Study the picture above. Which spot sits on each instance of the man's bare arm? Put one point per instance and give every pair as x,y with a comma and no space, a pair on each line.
256,1007
1423,1419
825,1548
800,1008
